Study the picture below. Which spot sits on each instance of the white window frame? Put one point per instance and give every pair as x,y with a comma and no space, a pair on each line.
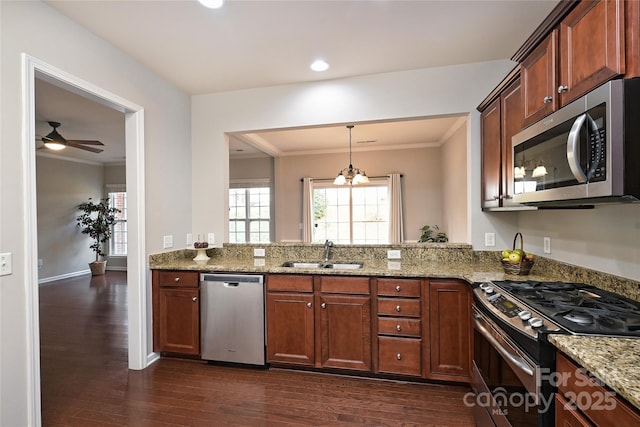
247,185
374,182
113,190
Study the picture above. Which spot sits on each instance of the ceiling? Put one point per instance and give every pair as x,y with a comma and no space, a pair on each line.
249,44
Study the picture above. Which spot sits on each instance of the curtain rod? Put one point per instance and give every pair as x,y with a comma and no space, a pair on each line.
331,179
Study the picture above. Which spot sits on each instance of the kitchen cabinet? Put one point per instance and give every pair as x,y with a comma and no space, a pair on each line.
500,121
319,321
450,330
399,326
584,400
344,313
290,319
176,312
585,50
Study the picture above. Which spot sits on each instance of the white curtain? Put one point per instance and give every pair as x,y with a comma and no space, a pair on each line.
307,210
396,228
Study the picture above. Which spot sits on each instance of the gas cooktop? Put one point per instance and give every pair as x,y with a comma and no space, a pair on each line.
578,308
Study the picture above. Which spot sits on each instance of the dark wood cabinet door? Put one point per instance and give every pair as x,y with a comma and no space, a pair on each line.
491,141
567,415
345,325
539,77
450,330
592,47
511,124
179,318
290,328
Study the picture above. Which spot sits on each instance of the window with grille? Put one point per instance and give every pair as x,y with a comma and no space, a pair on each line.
249,215
118,241
351,214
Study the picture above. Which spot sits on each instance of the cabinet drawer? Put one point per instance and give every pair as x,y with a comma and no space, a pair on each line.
399,307
399,355
289,282
399,287
399,326
186,279
344,285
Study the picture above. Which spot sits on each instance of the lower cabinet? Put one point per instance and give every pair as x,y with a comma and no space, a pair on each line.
319,321
176,312
450,330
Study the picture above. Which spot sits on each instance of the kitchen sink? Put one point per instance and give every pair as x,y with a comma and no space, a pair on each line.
346,265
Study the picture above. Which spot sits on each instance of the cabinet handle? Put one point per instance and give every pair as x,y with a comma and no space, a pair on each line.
496,197
399,356
508,196
398,308
323,305
194,299
547,99
309,304
563,89
398,328
177,279
398,288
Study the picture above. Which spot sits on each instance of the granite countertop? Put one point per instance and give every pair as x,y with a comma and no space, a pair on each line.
614,361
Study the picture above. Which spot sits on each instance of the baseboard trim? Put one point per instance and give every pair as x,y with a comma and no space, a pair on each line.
63,276
116,268
152,358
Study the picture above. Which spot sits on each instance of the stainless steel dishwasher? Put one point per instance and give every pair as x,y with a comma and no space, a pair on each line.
232,318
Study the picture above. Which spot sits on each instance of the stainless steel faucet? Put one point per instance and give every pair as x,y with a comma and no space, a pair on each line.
328,244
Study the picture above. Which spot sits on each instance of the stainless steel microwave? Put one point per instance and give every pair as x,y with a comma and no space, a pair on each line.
587,152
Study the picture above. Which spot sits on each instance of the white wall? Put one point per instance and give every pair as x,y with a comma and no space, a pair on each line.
454,185
65,45
61,186
418,93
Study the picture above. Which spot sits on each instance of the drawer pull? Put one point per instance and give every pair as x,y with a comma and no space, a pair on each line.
194,299
323,305
398,288
398,308
309,304
177,279
398,328
547,99
399,356
563,89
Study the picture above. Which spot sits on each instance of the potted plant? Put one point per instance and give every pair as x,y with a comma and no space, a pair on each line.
96,221
427,232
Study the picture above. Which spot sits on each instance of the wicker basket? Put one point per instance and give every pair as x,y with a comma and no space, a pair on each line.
521,268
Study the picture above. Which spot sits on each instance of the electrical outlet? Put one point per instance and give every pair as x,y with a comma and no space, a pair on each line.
211,238
40,262
394,254
258,252
489,239
189,239
6,262
167,242
547,245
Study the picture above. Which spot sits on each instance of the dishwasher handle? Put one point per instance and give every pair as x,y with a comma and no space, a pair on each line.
231,284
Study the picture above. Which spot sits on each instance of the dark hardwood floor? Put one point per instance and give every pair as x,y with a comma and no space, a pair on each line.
85,380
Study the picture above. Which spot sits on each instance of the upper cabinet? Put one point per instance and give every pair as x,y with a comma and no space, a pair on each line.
500,120
586,49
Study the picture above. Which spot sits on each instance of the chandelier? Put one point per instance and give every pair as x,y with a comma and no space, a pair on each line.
350,175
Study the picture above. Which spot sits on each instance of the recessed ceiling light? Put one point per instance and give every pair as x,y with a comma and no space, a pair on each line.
319,65
212,4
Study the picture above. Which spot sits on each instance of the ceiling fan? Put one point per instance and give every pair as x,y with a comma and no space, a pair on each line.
55,141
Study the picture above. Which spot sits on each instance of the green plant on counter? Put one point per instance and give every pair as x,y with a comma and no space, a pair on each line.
427,231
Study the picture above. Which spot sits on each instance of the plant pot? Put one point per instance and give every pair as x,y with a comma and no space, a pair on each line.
98,267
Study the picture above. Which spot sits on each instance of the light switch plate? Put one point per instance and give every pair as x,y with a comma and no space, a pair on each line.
394,254
211,238
189,239
547,245
6,261
167,242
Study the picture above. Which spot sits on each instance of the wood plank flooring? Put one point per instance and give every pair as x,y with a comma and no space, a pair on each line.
85,380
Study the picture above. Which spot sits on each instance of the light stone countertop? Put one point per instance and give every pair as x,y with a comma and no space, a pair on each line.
614,361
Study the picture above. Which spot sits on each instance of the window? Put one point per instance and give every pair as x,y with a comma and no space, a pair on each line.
118,241
351,214
249,215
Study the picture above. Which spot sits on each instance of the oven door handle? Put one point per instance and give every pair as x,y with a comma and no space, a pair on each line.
518,361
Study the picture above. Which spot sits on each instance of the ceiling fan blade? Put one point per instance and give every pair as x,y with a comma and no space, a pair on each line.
85,141
82,147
